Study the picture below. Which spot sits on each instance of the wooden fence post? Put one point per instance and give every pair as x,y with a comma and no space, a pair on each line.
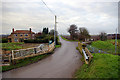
89,54
13,57
10,59
35,50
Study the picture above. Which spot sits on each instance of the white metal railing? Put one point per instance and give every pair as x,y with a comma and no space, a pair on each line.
86,57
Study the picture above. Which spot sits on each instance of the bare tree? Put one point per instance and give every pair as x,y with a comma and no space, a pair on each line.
83,34
73,31
103,36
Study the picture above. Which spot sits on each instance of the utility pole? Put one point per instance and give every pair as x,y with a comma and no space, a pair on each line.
55,30
116,42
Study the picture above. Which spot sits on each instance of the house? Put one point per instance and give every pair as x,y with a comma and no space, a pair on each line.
110,36
21,35
94,38
113,36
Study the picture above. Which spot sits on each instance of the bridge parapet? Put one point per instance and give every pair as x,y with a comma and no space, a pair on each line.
87,55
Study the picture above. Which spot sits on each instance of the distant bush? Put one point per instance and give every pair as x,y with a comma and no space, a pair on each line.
4,40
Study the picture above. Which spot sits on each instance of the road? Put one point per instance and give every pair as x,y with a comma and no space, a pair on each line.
62,64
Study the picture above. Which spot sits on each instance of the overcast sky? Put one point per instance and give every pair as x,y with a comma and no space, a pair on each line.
95,16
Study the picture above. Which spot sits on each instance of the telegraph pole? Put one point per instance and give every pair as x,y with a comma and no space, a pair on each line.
116,42
55,30
55,21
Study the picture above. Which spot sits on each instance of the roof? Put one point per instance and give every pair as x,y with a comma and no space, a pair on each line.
22,32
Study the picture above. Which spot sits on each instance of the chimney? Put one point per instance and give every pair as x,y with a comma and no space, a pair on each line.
30,29
13,30
30,33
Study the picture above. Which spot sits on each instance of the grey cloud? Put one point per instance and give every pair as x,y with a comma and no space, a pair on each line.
96,16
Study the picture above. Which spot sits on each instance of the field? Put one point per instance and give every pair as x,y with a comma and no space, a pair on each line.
14,46
102,66
107,46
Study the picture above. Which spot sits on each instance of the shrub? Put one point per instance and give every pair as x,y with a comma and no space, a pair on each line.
37,41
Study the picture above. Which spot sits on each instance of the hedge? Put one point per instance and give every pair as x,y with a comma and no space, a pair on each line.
3,40
44,40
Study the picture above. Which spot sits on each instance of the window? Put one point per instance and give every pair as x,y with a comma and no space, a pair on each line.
15,39
21,34
26,34
15,34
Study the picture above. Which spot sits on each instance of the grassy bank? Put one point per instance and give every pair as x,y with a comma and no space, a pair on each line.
107,46
102,66
68,39
57,46
24,62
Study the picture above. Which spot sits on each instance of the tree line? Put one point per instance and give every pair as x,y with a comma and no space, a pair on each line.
82,34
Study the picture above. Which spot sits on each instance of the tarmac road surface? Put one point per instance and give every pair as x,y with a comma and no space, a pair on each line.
61,64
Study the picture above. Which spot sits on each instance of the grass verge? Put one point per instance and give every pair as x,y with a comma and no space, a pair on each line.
24,62
106,46
59,43
82,59
102,66
68,39
57,46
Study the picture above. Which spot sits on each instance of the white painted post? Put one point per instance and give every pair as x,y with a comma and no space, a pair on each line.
116,42
12,54
84,54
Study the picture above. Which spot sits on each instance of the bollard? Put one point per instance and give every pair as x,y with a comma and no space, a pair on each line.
35,50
